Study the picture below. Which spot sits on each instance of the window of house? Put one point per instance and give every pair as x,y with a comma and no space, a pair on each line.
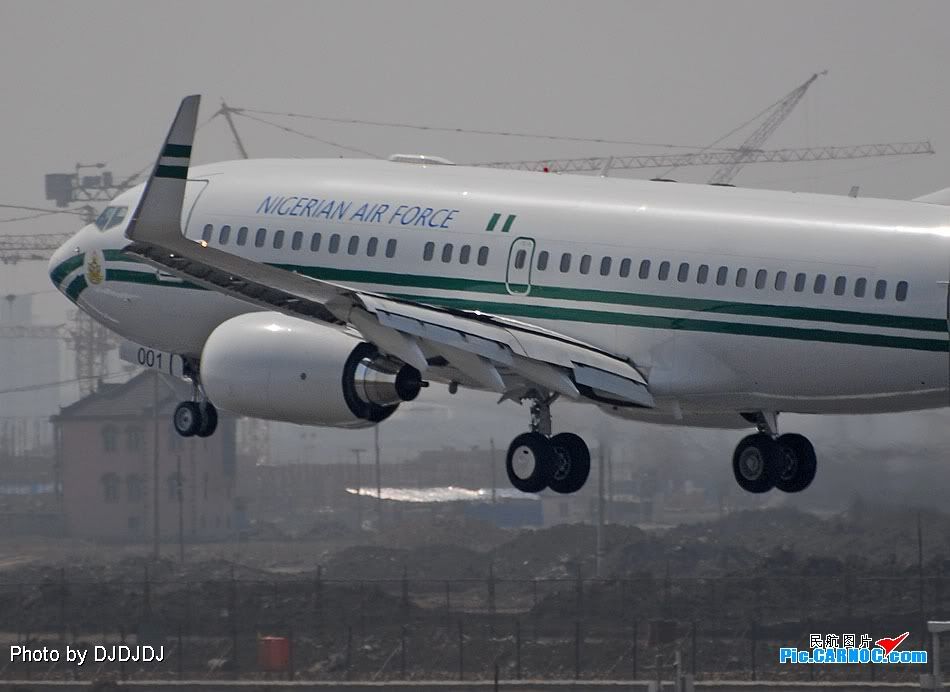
206,232
565,262
605,266
682,274
800,280
644,272
391,247
278,240
585,264
625,265
722,276
761,277
780,279
482,255
371,245
242,235
860,287
134,487
353,246
296,240
315,242
134,438
260,237
109,438
224,234
841,285
334,245
447,252
465,254
702,274
820,281
663,273
741,275
543,257
110,487
880,289
901,292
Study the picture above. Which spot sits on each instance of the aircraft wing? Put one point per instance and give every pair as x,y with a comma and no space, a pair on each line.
487,351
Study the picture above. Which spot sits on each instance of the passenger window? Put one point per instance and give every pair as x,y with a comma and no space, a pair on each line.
664,271
780,279
702,274
278,240
880,289
625,267
644,269
683,274
334,245
741,275
901,293
447,252
566,262
860,287
605,266
800,280
315,242
428,251
205,234
371,246
224,235
260,237
585,264
242,235
841,285
354,245
482,255
542,260
722,276
520,258
820,283
465,253
296,240
761,277
391,247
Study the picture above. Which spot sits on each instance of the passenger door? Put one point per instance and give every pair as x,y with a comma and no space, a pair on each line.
520,259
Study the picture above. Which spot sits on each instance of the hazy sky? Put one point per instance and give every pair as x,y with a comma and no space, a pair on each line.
100,81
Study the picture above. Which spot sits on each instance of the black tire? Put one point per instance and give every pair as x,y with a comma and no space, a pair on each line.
569,465
801,463
209,420
187,419
528,456
757,463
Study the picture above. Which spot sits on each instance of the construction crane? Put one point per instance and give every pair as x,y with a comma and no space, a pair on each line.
21,248
603,164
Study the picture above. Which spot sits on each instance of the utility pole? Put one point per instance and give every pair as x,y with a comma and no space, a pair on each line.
226,111
359,490
156,514
379,478
492,465
600,507
181,513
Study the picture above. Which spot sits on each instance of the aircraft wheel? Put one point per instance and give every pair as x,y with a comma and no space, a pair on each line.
187,419
569,465
528,456
799,463
757,463
209,419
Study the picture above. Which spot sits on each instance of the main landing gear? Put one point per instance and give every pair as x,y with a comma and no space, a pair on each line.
536,460
768,460
197,417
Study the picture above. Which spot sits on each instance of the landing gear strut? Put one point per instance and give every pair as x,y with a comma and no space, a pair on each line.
536,460
198,416
768,460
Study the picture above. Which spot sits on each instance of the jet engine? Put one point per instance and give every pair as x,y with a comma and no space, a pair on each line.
269,365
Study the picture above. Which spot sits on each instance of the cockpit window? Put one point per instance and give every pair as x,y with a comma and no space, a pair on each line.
111,217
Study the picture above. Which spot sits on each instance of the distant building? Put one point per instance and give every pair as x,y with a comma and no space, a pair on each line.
105,445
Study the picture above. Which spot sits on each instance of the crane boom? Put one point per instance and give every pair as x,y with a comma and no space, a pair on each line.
593,164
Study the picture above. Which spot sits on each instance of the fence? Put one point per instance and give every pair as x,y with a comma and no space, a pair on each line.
565,628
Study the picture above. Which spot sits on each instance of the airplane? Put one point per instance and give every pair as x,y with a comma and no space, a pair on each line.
328,292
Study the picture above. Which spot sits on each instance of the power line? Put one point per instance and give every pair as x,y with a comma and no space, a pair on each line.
47,385
346,147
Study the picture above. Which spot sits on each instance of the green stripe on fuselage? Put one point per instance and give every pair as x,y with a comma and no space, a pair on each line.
65,268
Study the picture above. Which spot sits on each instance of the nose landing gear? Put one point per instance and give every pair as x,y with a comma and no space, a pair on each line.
536,461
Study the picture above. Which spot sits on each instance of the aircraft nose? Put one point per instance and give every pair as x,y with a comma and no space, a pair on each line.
65,259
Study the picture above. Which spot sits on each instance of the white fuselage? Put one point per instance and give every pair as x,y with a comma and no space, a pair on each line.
728,299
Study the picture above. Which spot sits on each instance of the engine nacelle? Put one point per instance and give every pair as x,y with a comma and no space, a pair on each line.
269,365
